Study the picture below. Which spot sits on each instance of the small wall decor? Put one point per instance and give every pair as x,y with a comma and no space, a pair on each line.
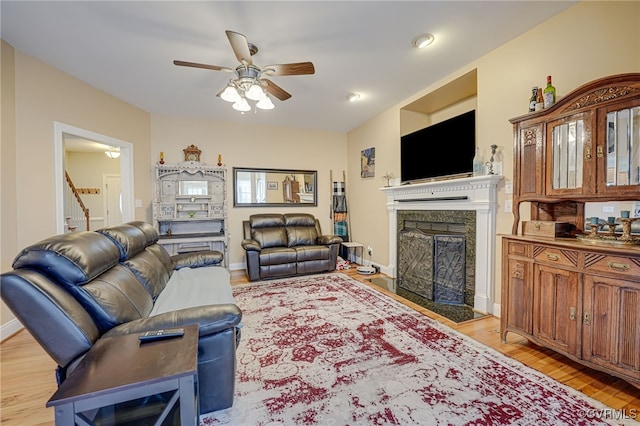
191,153
272,186
368,163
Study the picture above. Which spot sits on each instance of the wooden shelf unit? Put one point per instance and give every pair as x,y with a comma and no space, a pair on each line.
576,296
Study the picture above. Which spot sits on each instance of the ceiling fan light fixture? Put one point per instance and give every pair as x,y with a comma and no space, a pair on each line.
230,94
242,105
265,103
422,40
112,153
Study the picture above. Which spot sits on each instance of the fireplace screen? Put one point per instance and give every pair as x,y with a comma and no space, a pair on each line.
449,269
415,262
432,265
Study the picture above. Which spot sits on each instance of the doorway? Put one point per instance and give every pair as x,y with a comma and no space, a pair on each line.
112,200
125,202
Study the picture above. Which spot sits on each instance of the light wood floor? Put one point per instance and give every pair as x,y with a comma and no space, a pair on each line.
27,372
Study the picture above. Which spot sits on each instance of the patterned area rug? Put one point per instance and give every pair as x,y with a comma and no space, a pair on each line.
327,350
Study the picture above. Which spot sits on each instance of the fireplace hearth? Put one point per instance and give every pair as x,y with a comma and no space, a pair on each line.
462,212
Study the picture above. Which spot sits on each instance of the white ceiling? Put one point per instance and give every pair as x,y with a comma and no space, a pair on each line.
126,48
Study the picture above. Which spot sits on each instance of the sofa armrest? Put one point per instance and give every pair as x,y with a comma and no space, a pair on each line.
197,259
211,319
251,245
329,239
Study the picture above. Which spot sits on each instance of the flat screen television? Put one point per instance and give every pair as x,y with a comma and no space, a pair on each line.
443,150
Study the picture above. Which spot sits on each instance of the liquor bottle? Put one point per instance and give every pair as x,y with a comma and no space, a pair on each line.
477,163
532,100
549,93
539,100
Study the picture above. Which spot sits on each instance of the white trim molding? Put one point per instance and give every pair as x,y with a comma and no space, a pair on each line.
477,193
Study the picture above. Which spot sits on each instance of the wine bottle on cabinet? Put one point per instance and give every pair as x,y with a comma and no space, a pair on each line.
539,100
549,93
532,100
477,163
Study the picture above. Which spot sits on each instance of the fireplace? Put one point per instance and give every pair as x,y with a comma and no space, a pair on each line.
433,260
461,208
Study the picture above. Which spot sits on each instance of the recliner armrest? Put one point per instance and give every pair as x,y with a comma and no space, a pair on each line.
197,259
329,239
211,319
251,245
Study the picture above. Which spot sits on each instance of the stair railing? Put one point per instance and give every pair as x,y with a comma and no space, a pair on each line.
77,214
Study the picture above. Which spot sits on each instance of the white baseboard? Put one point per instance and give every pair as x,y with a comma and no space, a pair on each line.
496,310
10,328
237,266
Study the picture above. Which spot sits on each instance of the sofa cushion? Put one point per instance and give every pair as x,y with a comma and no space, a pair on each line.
116,297
299,219
307,253
148,230
189,287
270,237
269,220
277,256
70,259
301,236
150,271
129,239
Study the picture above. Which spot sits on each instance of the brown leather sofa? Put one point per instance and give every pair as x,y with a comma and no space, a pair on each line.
278,245
71,290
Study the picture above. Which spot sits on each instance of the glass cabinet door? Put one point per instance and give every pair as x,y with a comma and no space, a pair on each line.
568,154
623,147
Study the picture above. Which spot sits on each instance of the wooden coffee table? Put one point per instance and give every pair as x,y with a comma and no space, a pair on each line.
121,369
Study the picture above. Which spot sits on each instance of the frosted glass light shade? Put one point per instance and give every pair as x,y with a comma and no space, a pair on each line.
230,94
255,93
242,105
265,103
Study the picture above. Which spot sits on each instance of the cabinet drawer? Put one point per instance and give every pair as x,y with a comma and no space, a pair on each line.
555,256
596,262
518,248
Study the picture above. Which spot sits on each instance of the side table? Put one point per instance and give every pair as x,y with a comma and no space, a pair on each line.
120,369
352,251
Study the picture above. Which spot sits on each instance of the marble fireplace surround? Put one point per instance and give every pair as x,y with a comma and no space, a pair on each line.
474,193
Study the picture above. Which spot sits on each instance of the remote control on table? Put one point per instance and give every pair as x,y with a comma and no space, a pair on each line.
166,333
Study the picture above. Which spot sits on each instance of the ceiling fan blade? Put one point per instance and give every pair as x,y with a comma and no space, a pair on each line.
298,68
205,66
240,47
276,90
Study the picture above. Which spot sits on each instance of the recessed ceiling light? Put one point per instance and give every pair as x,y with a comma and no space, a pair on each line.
422,40
352,97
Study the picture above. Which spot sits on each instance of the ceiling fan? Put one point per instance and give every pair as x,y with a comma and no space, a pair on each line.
249,82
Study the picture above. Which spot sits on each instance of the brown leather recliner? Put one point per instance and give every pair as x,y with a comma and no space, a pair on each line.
279,245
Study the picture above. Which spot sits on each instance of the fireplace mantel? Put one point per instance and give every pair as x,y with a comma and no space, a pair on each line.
477,193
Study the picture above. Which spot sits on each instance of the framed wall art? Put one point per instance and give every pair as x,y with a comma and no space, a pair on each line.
368,163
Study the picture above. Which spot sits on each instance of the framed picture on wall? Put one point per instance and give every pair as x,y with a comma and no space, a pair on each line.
272,186
368,163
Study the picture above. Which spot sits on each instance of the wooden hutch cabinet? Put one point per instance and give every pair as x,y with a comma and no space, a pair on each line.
576,295
190,207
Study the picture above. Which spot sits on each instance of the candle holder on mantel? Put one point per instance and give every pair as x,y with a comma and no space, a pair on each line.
611,237
626,230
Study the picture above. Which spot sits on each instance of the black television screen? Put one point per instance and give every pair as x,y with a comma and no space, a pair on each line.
442,150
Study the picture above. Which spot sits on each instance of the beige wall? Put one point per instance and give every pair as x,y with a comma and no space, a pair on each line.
587,41
248,145
8,187
44,95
